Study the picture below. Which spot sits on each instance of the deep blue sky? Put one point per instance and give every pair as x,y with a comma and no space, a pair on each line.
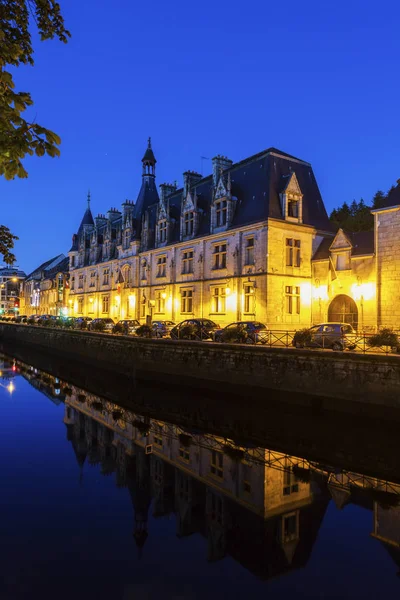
318,80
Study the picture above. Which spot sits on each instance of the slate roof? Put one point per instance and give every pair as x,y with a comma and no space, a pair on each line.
86,220
363,243
149,154
37,273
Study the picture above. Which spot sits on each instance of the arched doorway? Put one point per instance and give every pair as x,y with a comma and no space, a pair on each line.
343,309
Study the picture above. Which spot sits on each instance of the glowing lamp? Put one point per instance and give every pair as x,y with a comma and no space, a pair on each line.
163,295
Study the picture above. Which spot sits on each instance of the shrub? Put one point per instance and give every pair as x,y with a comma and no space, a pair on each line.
234,334
144,331
81,397
30,321
97,405
67,391
187,332
301,338
119,328
385,337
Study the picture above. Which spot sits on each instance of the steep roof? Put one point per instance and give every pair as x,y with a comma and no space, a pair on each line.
37,273
362,243
149,154
86,220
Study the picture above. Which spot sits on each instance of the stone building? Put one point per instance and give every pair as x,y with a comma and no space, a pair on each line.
11,280
45,291
234,245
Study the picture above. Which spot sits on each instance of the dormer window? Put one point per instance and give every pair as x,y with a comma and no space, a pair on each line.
221,212
188,223
293,208
162,231
126,238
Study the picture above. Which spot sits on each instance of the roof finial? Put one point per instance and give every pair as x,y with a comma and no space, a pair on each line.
149,142
88,199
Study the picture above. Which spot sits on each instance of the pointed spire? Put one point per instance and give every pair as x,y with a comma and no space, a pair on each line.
149,160
88,199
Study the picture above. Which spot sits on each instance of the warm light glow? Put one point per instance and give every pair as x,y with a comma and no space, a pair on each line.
177,305
320,292
168,303
14,279
132,300
163,295
69,301
64,311
1,373
11,387
91,300
305,294
117,300
227,291
363,291
76,306
231,302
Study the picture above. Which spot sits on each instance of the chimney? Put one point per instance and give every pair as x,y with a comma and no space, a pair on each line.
166,189
220,162
190,178
100,220
113,214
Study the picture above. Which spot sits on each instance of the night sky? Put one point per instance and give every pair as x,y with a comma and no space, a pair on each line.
314,79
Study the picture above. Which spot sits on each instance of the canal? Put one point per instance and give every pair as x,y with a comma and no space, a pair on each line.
103,500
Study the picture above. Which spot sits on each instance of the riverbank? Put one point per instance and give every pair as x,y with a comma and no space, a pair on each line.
339,381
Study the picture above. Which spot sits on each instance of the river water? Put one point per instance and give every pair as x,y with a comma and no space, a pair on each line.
98,501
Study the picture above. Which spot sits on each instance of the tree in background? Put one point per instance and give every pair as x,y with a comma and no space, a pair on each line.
19,137
357,216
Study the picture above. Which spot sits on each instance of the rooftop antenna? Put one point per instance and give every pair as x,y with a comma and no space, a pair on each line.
202,158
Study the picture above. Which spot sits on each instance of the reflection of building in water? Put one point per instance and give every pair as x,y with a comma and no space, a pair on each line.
387,530
266,518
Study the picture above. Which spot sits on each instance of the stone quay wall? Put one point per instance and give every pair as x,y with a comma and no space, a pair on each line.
368,384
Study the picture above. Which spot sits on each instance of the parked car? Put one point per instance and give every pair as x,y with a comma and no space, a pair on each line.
336,336
108,324
82,322
126,326
246,332
194,329
162,328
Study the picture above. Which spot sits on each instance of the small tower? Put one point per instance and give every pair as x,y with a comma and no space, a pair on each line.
149,161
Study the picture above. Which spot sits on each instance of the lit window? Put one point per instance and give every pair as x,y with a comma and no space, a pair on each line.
187,262
292,299
221,210
162,229
218,298
219,255
105,304
188,223
217,464
186,301
160,301
249,251
292,252
248,305
161,266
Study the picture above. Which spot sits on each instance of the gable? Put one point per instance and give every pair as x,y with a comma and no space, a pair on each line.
188,203
292,186
341,241
221,190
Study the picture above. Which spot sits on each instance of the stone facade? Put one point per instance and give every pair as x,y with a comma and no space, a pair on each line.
387,227
45,291
235,245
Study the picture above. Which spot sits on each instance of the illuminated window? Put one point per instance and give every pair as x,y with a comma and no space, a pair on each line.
249,251
188,223
217,464
160,301
106,277
161,266
221,210
186,301
187,262
292,252
162,229
105,304
249,299
80,305
292,299
219,256
218,300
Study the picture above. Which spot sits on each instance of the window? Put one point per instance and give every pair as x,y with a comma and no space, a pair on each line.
293,208
292,252
248,304
292,300
219,256
80,283
72,283
127,277
290,527
217,464
80,305
160,301
162,229
188,223
290,483
249,251
246,478
187,262
158,436
218,297
127,234
186,301
342,261
161,266
143,308
106,277
184,453
72,261
105,304
91,305
221,209
92,282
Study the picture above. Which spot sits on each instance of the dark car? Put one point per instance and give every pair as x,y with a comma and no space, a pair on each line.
126,326
245,332
162,328
102,324
81,322
336,336
194,329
